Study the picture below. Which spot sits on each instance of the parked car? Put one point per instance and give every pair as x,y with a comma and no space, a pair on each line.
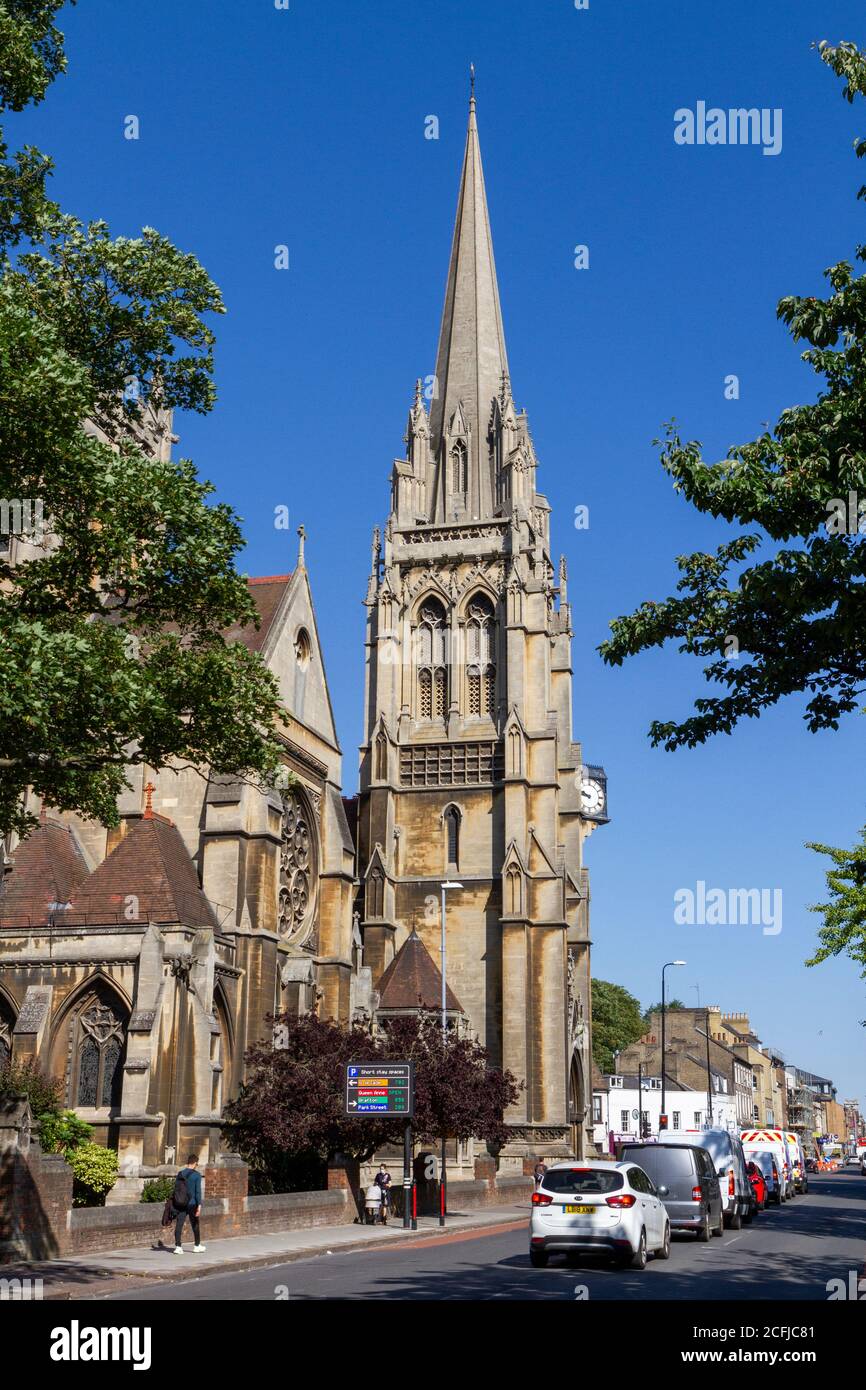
812,1165
768,1165
759,1184
771,1141
598,1206
686,1180
726,1151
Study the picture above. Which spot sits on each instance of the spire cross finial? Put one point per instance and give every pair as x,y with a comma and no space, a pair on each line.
472,82
148,801
302,535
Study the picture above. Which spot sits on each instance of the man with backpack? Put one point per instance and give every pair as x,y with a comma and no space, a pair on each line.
186,1202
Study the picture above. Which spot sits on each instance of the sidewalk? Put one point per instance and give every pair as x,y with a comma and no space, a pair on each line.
95,1275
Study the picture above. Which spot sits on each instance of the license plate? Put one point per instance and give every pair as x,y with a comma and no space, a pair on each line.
579,1211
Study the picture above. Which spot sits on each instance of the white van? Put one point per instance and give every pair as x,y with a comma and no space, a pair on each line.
771,1141
729,1161
798,1160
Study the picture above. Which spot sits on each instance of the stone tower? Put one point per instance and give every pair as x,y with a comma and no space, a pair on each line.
468,769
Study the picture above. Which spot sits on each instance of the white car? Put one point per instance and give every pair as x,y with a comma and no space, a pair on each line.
584,1205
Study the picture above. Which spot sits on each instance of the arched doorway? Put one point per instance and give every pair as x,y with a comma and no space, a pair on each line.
577,1106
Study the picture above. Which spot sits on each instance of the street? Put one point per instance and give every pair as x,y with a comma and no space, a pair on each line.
788,1253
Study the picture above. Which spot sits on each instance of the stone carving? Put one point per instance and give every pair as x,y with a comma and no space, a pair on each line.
576,1024
181,969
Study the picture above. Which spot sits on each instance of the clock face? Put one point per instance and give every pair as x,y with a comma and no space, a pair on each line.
591,797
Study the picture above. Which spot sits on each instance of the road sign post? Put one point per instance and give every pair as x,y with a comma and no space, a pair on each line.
386,1088
380,1088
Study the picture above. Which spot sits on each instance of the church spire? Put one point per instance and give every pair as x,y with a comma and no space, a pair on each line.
471,359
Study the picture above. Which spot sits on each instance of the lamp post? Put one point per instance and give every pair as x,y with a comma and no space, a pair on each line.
445,887
664,1113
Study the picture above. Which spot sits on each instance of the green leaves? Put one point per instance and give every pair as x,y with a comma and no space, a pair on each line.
844,914
112,646
616,1021
31,51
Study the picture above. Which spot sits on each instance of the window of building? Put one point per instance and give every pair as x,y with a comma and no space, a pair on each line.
514,891
459,469
452,836
480,668
99,1039
377,893
699,1117
381,757
430,645
623,1121
596,1110
676,1119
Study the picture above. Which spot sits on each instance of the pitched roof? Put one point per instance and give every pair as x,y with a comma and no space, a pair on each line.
48,867
266,592
412,981
149,875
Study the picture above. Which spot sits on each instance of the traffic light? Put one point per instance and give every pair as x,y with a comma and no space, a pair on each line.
663,1122
647,1128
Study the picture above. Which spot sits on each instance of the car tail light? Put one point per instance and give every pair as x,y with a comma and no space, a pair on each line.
627,1199
731,1188
541,1199
697,1194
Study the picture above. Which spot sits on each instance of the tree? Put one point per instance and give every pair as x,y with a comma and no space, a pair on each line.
844,915
458,1094
112,646
792,620
616,1022
288,1118
656,1008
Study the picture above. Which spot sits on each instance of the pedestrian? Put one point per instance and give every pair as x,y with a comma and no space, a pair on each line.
540,1170
186,1202
385,1184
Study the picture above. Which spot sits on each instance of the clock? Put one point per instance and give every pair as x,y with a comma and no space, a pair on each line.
593,793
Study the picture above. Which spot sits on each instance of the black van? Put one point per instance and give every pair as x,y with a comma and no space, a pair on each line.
685,1179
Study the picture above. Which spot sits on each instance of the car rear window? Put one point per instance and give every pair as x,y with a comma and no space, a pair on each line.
662,1163
582,1180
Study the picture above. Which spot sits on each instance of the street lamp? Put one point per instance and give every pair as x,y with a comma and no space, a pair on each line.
664,1106
445,887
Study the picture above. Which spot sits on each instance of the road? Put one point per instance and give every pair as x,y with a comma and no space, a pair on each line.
787,1253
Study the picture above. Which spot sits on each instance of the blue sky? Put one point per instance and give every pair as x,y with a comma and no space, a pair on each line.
305,127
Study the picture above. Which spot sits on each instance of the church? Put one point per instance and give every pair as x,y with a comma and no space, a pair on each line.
139,962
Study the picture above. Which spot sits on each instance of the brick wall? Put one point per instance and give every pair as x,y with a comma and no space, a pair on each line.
37,1220
35,1200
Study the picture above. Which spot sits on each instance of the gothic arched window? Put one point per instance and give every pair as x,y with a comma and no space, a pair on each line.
381,757
514,892
452,836
459,469
377,893
98,1043
480,667
431,640
298,871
